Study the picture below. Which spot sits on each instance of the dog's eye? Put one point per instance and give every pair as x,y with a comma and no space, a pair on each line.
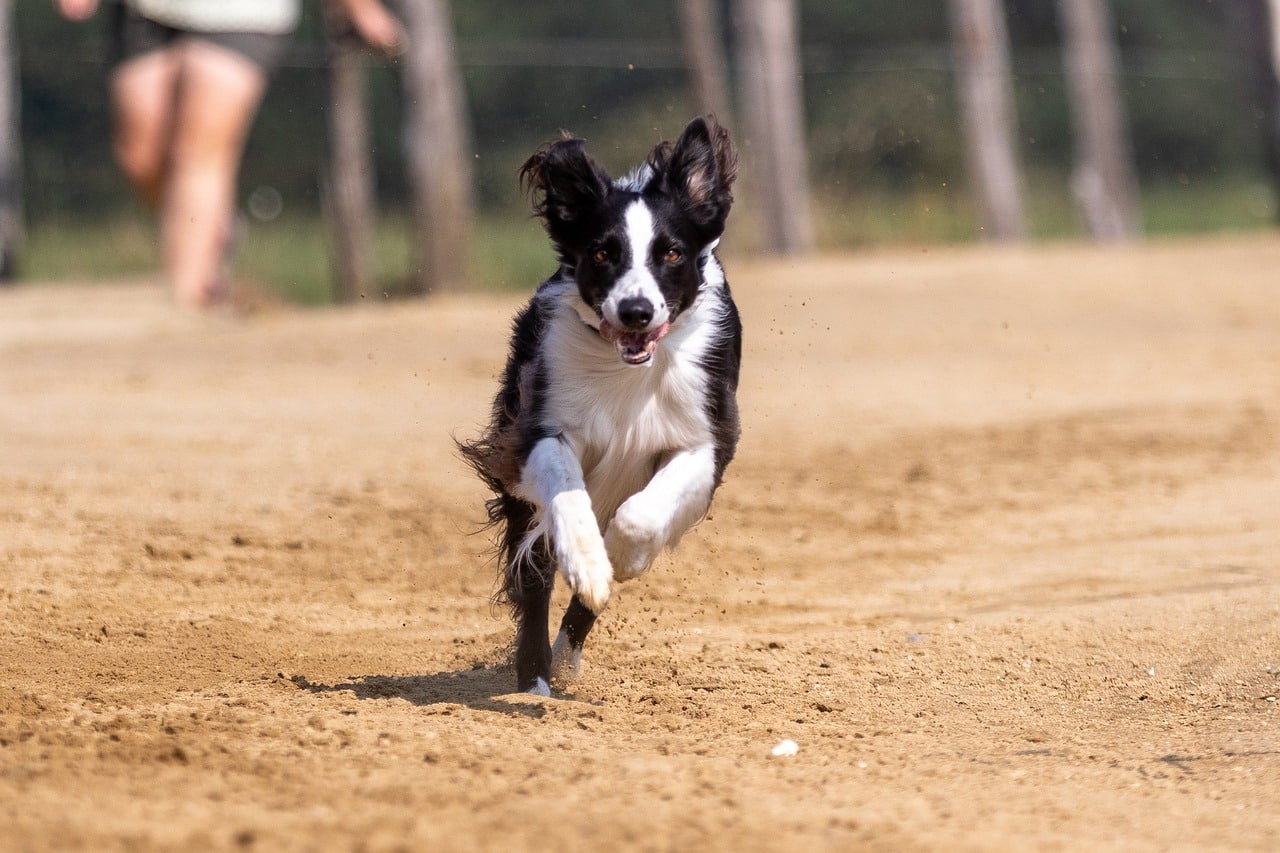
673,256
600,256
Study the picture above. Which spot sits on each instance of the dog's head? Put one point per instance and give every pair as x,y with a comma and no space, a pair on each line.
636,246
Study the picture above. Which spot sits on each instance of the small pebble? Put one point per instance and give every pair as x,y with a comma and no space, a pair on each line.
786,747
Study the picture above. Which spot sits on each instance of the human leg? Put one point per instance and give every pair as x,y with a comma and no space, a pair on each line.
218,95
143,95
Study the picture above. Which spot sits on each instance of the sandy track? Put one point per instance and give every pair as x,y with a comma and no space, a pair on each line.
999,553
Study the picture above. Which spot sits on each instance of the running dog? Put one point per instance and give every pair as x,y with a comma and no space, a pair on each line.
617,412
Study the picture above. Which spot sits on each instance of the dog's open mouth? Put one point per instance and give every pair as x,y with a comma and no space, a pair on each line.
634,347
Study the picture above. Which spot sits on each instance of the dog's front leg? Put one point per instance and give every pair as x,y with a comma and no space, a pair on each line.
657,516
552,480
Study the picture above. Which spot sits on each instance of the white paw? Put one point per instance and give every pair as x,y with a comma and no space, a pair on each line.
634,540
540,688
566,661
580,551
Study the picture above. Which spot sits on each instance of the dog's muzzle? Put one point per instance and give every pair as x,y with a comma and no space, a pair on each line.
634,348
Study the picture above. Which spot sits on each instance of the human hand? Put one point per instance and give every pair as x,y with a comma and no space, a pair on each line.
76,10
376,26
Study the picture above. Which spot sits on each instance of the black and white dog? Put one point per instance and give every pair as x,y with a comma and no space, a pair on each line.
617,412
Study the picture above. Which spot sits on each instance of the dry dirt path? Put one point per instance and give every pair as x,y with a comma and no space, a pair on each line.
1000,553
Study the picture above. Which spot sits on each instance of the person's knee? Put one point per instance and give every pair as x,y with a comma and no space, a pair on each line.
220,95
142,164
135,160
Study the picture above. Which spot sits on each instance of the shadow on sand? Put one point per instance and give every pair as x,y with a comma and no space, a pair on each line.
482,689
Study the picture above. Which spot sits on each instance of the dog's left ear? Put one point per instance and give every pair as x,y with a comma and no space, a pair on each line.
698,172
566,187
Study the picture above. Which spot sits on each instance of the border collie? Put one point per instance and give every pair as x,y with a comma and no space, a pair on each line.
617,412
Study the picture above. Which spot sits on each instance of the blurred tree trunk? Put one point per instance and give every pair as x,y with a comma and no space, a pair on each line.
704,53
1102,181
349,197
11,231
981,44
772,104
1271,93
437,142
1256,24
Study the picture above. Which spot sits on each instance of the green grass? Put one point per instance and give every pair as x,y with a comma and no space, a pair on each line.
942,215
290,256
1185,207
111,247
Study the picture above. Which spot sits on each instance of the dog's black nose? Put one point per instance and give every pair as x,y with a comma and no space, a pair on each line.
635,312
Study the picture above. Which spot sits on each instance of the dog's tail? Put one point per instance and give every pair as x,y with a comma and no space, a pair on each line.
507,517
480,455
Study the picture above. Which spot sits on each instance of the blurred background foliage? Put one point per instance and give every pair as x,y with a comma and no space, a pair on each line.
886,159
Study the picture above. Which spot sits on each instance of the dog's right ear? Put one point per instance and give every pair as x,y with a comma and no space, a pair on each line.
565,186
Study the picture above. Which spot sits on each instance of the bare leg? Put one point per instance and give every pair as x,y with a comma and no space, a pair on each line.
144,94
217,96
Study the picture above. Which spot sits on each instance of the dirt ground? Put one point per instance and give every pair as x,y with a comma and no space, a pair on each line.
1000,553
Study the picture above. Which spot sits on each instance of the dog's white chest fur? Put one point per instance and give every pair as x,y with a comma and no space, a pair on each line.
623,422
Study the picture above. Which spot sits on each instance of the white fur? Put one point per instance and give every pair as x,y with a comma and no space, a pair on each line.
636,179
658,515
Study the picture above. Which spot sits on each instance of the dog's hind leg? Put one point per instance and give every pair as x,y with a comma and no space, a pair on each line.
566,654
530,594
526,585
